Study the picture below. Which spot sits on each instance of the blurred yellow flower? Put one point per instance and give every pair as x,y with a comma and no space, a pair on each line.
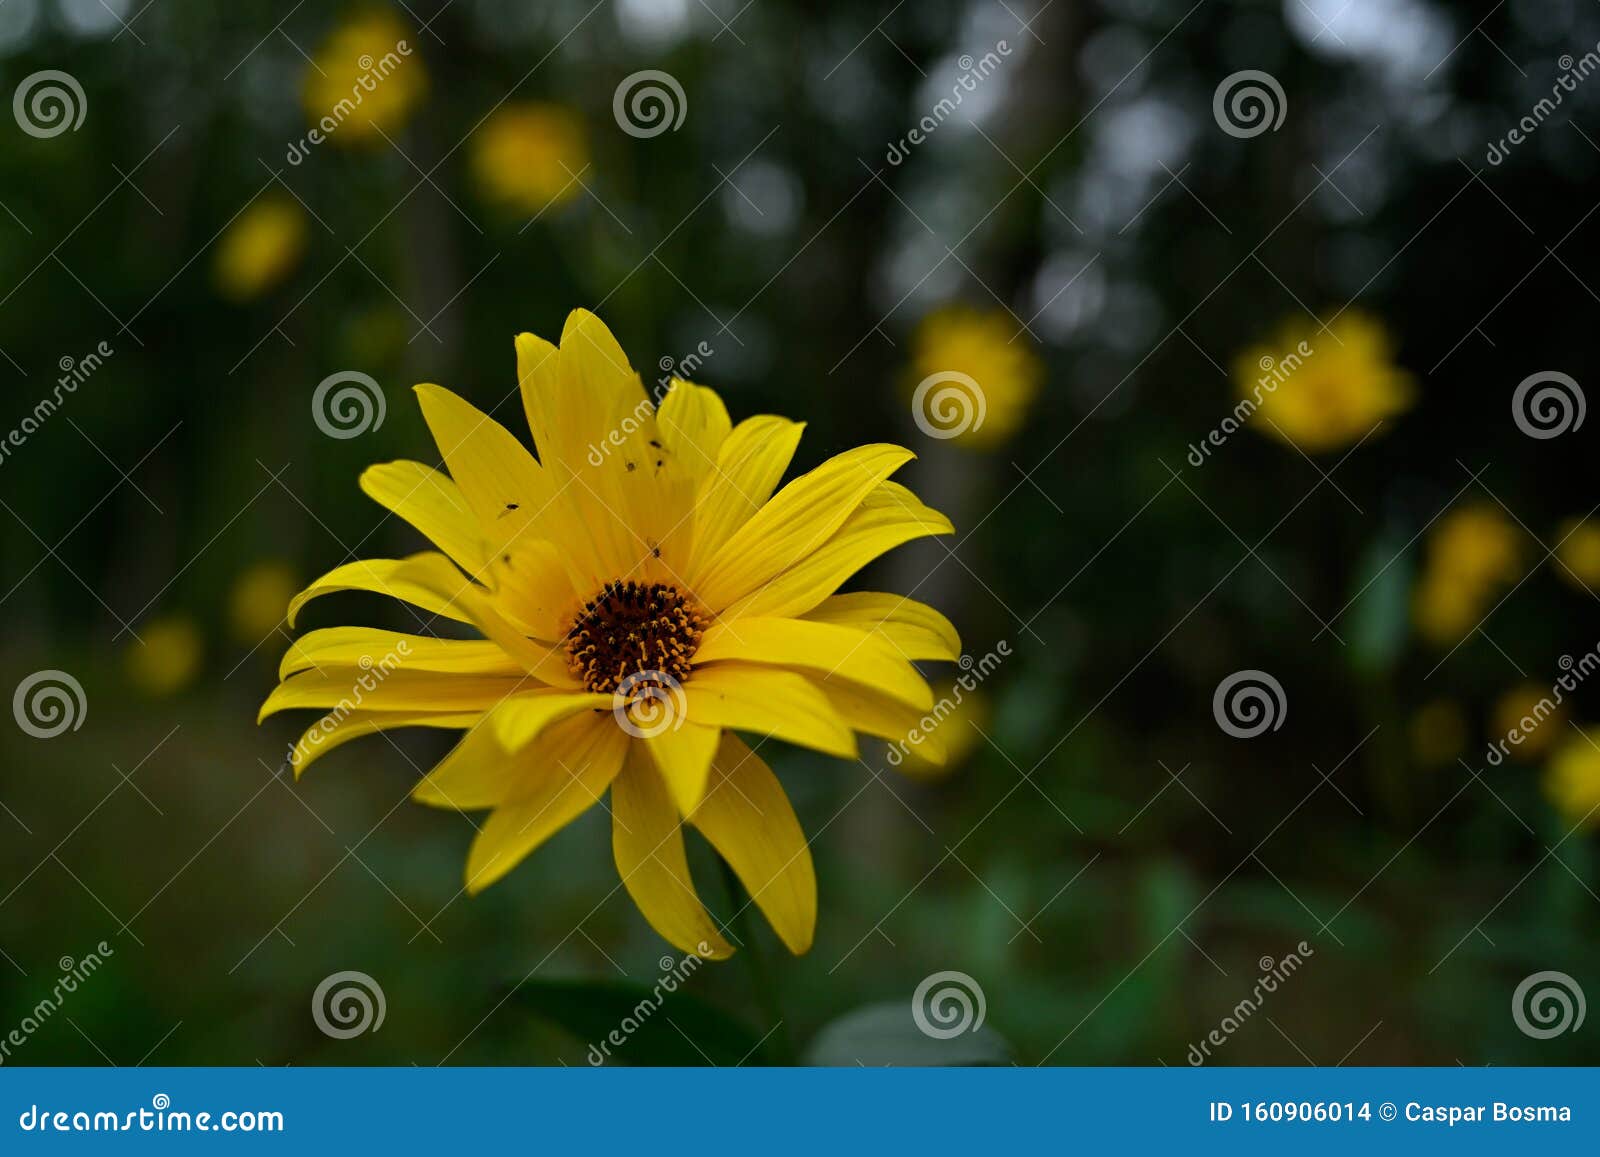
528,155
364,80
1471,554
1579,552
972,376
961,718
1572,780
1438,733
260,248
168,657
1324,390
260,594
1527,720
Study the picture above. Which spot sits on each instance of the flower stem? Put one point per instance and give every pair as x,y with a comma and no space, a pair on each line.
779,1048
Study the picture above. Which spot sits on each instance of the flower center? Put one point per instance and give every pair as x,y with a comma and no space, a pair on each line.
632,628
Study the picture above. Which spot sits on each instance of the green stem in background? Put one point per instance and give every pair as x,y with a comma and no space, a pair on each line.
779,1048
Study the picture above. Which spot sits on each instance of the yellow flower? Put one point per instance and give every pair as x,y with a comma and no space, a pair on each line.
260,248
1579,552
1529,713
255,605
1438,733
1320,390
366,79
166,656
972,376
528,156
1472,553
641,592
960,716
1572,780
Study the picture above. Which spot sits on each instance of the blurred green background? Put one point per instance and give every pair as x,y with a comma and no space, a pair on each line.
1108,863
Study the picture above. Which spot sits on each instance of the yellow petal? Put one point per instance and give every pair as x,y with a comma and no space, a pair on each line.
691,426
538,374
395,577
914,629
824,648
768,702
683,755
435,576
369,648
693,423
889,516
748,820
520,719
399,691
872,714
798,520
431,502
477,772
647,840
498,477
594,373
337,729
607,453
557,780
749,467
533,585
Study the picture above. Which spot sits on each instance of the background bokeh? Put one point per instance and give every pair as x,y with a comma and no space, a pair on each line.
1085,238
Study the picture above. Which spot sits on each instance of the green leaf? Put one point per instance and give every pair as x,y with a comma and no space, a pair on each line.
633,1024
1380,617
